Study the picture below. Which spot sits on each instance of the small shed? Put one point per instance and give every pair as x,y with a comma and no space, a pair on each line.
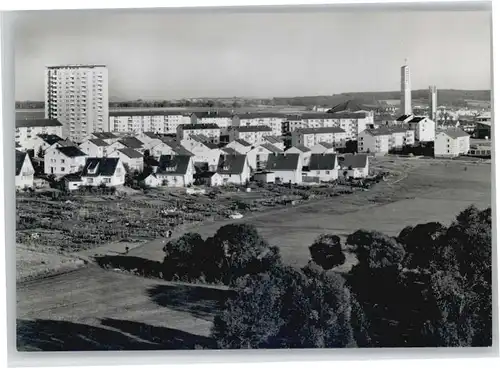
265,177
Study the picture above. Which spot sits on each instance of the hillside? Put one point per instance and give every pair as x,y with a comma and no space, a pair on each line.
445,97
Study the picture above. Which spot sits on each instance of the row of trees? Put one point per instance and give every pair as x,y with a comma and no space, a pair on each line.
429,286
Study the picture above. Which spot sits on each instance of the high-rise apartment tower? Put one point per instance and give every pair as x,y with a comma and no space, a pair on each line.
405,107
432,103
77,95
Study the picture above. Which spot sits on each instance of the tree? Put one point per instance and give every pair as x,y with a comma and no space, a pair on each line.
41,152
288,308
375,250
419,243
244,248
180,256
252,316
326,251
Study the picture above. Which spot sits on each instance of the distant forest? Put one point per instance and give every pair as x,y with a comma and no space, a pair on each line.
445,97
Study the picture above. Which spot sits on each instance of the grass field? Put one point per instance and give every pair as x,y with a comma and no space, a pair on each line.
92,308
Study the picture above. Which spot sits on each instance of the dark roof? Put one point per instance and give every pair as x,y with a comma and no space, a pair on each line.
67,143
50,138
176,146
20,156
173,165
320,130
348,115
132,153
254,128
99,142
321,161
231,164
327,145
131,142
71,151
104,135
403,117
353,160
229,151
199,126
271,148
212,114
147,113
349,105
243,142
272,139
283,161
385,130
103,166
261,115
417,119
151,135
73,177
301,147
455,133
28,123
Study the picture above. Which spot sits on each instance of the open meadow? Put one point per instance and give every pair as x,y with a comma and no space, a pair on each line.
95,308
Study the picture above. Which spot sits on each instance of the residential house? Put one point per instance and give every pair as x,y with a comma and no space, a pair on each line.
205,152
107,137
322,167
404,119
240,145
234,169
30,128
451,143
287,167
24,171
173,171
208,178
323,147
131,159
424,128
257,156
312,136
353,166
252,134
275,141
169,147
63,160
303,151
212,131
127,142
95,148
37,145
108,171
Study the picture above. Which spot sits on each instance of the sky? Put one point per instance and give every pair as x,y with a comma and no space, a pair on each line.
164,55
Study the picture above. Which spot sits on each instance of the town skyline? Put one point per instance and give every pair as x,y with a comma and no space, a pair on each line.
231,66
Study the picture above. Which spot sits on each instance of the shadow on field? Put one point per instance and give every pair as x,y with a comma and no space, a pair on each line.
165,338
49,335
137,265
201,302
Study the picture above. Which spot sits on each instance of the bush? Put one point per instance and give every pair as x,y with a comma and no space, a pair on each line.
326,251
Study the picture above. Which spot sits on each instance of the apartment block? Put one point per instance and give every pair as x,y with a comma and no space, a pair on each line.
77,96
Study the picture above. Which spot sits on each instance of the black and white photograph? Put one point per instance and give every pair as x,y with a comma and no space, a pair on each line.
253,178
